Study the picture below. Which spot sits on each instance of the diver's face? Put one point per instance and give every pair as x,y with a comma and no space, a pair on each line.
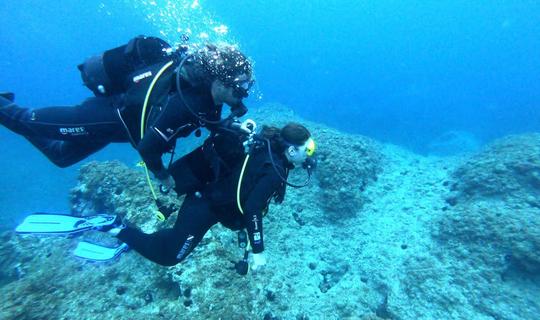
233,93
296,154
241,86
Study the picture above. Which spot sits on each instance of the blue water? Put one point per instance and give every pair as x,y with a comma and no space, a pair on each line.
403,72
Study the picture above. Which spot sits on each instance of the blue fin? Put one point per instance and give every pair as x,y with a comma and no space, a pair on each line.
94,252
57,224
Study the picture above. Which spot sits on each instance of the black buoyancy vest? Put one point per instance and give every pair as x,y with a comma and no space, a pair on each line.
116,70
223,192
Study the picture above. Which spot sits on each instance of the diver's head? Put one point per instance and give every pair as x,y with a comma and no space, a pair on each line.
232,69
293,141
227,71
231,94
299,146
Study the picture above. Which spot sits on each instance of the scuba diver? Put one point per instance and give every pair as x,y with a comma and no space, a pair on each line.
230,179
146,93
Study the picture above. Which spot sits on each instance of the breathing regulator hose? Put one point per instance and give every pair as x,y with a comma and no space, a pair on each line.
164,211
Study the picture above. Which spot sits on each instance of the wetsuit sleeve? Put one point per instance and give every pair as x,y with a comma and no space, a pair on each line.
254,207
172,122
151,148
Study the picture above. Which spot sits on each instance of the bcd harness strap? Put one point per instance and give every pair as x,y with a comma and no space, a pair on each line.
239,186
160,215
247,246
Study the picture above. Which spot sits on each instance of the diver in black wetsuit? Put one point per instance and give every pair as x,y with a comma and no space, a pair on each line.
188,94
210,176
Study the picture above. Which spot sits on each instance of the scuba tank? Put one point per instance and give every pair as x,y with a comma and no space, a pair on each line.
136,69
112,72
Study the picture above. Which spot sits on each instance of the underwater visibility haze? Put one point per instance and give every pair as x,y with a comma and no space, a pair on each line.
425,203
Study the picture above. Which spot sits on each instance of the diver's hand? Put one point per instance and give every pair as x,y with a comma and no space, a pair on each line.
259,261
167,184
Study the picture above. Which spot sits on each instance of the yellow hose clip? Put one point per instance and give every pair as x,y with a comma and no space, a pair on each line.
160,216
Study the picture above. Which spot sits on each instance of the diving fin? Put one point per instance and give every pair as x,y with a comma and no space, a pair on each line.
57,224
8,95
94,252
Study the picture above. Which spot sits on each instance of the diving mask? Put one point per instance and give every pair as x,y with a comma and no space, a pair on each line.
241,87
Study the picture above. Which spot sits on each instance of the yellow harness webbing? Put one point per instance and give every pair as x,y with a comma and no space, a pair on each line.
240,184
143,120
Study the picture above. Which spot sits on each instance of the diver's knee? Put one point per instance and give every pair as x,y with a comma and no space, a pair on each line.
174,258
169,262
58,155
62,163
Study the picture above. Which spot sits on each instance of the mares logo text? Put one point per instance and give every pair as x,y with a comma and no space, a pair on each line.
73,131
141,76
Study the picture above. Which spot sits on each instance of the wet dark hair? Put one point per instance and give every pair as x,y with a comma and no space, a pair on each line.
292,133
224,62
295,133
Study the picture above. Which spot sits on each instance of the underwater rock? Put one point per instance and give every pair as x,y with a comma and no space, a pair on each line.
112,187
453,143
302,317
332,275
383,263
499,200
507,168
121,290
346,163
493,228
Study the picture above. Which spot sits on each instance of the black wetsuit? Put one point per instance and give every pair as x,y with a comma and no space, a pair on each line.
210,200
67,135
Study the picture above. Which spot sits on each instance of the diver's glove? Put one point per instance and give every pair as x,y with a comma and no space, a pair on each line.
259,261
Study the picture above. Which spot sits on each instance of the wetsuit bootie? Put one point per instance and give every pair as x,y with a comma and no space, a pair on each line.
14,117
114,228
8,96
6,99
